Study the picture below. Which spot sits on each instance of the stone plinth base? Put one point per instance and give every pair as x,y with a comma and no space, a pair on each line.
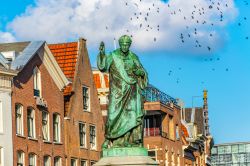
125,156
126,161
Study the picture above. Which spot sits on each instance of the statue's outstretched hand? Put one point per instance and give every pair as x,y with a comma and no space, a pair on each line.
102,48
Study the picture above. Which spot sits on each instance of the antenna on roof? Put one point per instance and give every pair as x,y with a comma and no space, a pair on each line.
114,43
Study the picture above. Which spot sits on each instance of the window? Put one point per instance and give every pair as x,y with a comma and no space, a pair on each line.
92,163
177,136
152,154
57,161
73,162
20,158
85,96
92,137
83,163
45,125
31,122
1,118
82,134
37,82
1,156
56,127
19,119
32,160
47,161
171,127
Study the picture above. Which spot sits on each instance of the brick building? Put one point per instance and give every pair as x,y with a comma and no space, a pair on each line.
197,140
162,122
37,104
83,124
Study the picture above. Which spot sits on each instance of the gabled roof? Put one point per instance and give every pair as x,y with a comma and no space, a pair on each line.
66,55
26,55
27,50
17,46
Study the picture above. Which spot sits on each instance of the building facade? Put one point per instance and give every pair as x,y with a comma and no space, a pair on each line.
197,140
84,132
6,144
233,154
37,104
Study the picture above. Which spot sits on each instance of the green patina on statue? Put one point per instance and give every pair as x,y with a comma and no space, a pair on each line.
124,127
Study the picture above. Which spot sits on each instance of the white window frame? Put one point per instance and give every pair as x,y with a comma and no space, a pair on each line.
32,155
92,147
87,100
47,159
59,160
75,160
1,156
46,127
37,80
19,122
32,133
1,118
22,155
57,140
84,135
83,160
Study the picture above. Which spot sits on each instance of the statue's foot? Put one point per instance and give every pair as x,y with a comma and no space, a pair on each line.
127,144
105,144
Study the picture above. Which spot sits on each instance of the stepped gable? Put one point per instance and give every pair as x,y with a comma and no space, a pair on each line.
66,55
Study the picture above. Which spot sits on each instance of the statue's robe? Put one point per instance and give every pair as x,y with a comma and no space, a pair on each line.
125,112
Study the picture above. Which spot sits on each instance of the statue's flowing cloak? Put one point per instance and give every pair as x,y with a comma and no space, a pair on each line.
125,110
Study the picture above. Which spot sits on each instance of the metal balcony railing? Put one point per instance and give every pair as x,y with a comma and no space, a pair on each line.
151,132
152,94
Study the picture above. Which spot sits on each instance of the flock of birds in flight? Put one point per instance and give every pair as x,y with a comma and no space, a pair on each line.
191,32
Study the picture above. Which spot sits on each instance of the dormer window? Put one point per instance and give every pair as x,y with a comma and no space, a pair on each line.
37,82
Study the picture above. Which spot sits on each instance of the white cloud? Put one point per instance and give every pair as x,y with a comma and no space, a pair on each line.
6,37
97,20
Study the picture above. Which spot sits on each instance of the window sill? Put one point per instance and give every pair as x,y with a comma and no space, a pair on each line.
82,147
86,111
33,139
57,143
47,142
21,136
93,149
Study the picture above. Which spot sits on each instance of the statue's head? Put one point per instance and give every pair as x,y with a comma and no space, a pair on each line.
125,42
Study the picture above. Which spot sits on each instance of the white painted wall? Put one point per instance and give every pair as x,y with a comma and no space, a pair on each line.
6,134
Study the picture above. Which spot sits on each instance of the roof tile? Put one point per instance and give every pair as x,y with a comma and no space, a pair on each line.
66,56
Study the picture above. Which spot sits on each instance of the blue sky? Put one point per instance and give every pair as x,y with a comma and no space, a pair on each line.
224,71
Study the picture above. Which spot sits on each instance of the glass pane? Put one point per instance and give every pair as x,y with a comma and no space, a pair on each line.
214,150
235,149
242,148
221,150
227,149
247,147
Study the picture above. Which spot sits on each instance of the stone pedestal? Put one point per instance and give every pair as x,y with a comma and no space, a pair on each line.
125,157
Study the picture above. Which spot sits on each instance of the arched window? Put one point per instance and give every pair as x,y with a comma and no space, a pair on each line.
37,82
20,158
56,128
57,161
19,119
47,161
32,159
31,122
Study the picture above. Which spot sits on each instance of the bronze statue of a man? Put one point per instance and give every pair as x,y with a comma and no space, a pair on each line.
124,127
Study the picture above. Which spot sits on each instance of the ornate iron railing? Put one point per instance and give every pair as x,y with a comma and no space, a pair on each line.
152,94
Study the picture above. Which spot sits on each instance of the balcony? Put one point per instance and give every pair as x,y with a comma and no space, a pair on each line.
152,94
152,132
